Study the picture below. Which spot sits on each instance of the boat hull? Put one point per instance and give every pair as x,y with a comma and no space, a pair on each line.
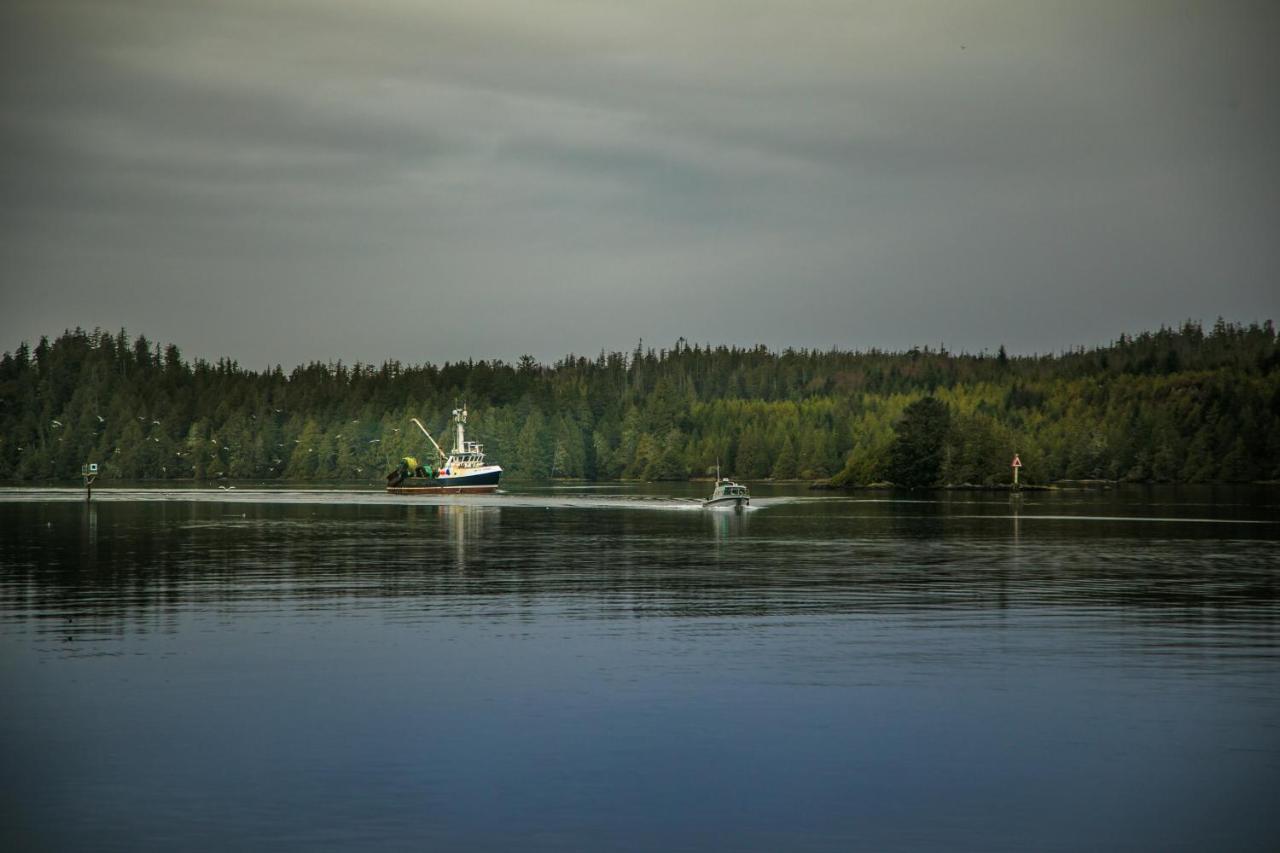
478,483
734,503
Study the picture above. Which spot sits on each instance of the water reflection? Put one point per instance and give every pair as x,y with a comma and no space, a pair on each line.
89,535
784,678
1015,509
466,525
119,563
728,524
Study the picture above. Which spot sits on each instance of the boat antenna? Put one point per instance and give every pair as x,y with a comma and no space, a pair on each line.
419,425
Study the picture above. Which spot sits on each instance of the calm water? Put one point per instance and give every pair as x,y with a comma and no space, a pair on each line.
616,669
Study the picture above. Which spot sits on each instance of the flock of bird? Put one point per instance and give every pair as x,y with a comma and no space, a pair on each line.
57,424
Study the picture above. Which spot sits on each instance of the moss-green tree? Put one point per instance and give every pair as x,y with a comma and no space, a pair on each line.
916,456
533,449
784,468
1179,405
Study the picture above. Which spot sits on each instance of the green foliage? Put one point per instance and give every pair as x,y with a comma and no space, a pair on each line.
918,450
785,466
1177,405
533,455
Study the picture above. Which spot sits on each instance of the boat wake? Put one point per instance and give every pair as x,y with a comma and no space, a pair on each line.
244,495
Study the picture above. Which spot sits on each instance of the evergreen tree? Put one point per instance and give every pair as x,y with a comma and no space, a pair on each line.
533,450
1179,405
668,464
785,467
1236,467
751,461
916,457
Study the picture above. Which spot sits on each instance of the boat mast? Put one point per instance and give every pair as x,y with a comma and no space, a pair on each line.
460,415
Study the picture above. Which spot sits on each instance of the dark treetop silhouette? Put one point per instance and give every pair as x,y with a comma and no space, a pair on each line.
1182,405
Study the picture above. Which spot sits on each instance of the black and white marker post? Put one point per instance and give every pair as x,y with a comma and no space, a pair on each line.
90,473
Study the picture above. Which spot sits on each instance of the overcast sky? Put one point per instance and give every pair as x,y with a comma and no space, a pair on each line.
287,181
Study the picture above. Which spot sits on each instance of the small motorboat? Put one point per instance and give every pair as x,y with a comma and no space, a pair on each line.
727,493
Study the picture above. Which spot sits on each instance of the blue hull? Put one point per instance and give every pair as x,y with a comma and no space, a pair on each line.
486,481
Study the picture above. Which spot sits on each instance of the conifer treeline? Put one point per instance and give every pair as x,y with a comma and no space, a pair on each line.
1181,405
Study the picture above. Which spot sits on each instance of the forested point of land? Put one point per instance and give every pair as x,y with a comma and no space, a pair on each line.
1176,405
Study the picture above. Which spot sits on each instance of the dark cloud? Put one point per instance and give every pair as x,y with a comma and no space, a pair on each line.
302,180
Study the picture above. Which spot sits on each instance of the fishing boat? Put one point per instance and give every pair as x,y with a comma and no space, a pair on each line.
727,493
461,470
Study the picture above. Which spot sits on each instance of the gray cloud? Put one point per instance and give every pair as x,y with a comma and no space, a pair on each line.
302,180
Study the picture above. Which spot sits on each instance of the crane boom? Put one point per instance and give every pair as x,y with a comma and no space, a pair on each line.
419,425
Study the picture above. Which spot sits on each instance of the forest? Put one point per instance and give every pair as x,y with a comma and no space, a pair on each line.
1180,404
